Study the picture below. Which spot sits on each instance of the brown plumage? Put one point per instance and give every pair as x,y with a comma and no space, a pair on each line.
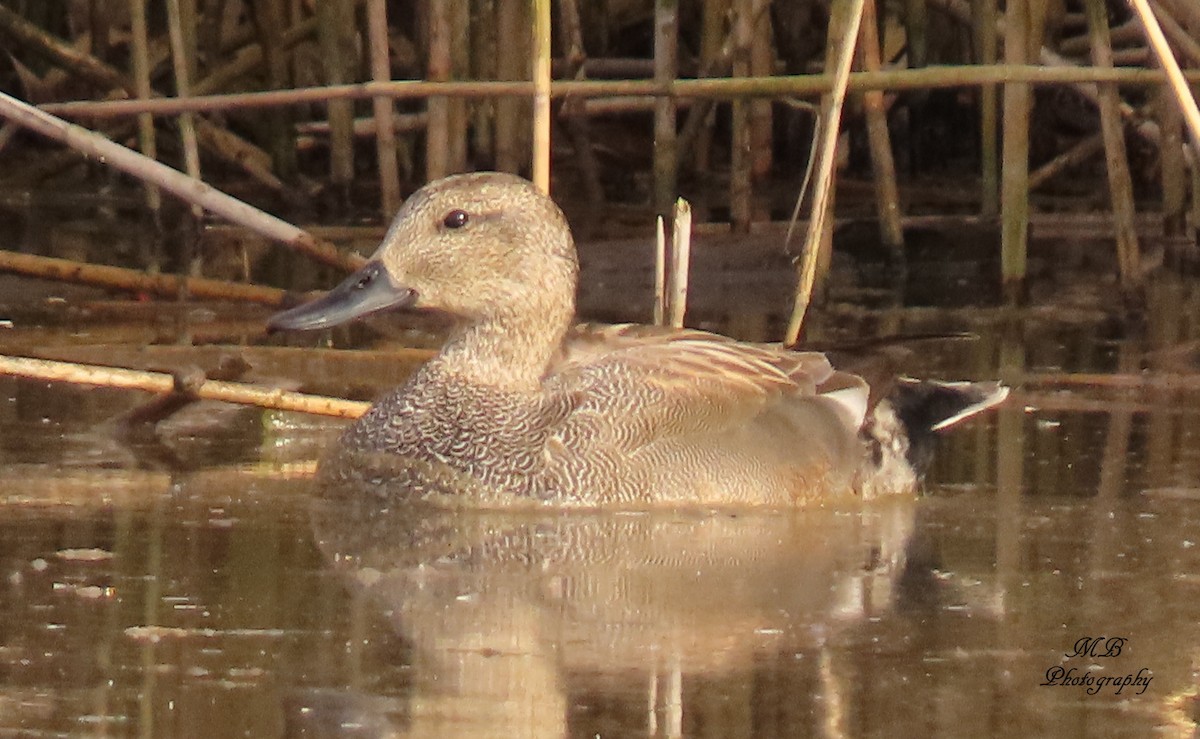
519,409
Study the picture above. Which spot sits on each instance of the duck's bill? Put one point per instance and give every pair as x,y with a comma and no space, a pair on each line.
367,291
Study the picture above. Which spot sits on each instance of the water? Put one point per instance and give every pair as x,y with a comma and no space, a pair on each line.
198,584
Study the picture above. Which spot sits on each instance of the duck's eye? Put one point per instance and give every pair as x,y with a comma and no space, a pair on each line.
455,219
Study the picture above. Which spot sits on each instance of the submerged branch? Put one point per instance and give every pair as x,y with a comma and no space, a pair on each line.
163,383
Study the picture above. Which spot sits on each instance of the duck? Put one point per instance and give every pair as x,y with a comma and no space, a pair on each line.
521,408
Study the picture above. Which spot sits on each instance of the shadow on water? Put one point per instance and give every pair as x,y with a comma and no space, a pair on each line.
216,590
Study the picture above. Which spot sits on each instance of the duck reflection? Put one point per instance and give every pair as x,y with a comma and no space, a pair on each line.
512,615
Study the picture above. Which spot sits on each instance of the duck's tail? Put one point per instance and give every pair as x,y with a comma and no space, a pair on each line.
901,430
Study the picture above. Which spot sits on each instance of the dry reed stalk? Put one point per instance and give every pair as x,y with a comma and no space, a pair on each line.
460,64
1166,58
335,34
702,88
483,67
270,20
384,112
575,67
666,56
221,142
1076,155
163,383
131,280
1014,195
438,69
1186,11
141,77
1174,169
541,94
62,54
1056,65
983,23
512,121
681,259
762,64
250,58
173,181
822,188
1120,183
661,300
187,121
716,50
740,177
887,194
1128,32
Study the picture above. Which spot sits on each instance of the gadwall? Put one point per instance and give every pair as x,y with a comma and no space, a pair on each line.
521,409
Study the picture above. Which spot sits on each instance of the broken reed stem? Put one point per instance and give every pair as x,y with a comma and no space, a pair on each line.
384,112
163,383
1167,60
681,258
188,189
660,272
132,280
541,94
829,131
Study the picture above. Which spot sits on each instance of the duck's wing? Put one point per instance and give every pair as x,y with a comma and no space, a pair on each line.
634,385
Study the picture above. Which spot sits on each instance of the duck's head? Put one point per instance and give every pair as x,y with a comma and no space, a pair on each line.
477,246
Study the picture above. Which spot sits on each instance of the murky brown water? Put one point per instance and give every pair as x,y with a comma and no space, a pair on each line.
197,585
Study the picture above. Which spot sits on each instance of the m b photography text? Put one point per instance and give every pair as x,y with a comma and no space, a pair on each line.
1097,648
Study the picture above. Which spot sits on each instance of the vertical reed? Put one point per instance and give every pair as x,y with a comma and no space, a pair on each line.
713,44
385,132
1014,198
511,141
740,178
147,142
681,260
541,96
986,42
666,55
577,125
831,108
1174,169
887,195
270,21
484,67
660,272
1120,184
187,124
335,34
437,132
460,68
762,64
